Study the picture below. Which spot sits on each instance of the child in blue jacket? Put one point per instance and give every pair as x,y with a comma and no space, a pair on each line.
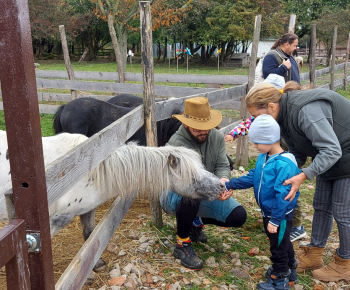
273,167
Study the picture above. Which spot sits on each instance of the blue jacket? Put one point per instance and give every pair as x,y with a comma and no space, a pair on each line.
267,179
271,66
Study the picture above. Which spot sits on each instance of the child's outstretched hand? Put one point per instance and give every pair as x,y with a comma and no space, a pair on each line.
271,228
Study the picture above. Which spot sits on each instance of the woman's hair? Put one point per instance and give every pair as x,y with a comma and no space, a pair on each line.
263,93
288,37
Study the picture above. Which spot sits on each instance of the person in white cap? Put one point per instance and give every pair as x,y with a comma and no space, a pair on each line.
273,167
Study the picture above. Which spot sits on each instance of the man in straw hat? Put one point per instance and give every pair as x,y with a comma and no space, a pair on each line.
198,132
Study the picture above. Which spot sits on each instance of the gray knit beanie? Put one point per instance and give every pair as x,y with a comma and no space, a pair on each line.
264,130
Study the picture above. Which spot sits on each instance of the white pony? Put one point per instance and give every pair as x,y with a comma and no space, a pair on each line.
131,169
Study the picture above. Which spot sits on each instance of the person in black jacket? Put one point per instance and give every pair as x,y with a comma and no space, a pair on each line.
280,60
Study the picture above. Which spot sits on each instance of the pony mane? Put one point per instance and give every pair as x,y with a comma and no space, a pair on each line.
133,169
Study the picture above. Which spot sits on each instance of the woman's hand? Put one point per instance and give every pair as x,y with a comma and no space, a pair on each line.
295,181
228,138
271,228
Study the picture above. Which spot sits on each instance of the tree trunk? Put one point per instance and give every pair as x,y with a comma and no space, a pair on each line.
86,50
159,52
117,50
166,49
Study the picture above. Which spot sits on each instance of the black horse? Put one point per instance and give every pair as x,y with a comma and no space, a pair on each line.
88,116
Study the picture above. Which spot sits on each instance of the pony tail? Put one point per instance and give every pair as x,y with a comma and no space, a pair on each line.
276,44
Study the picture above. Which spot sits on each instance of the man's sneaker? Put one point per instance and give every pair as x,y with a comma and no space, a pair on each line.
197,235
187,256
296,234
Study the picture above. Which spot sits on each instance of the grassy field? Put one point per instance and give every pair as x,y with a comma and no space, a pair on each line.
222,242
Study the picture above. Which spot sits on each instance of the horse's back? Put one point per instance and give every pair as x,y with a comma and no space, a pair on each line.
126,100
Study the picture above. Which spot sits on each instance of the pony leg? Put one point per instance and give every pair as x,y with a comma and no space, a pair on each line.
87,221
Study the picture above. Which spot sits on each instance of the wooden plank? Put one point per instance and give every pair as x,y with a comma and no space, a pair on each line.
291,26
65,172
78,270
14,255
163,78
165,108
167,91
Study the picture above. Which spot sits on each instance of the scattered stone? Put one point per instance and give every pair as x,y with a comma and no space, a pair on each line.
186,281
237,272
122,253
196,281
130,284
298,287
112,247
226,246
104,287
128,268
142,216
262,258
90,279
143,239
133,235
235,255
206,281
223,287
118,281
144,248
114,273
175,286
210,262
253,251
241,169
116,288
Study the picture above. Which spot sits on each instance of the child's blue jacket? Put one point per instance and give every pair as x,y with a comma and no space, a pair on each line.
267,179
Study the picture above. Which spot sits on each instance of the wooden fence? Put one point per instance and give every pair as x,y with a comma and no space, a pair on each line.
166,91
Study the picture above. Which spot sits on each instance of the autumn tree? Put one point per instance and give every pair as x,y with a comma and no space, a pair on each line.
325,28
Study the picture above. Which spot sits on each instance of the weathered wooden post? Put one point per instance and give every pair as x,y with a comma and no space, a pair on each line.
334,44
148,95
69,68
346,64
20,100
242,143
291,26
312,57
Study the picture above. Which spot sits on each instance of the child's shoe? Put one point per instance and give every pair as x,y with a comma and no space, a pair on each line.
275,281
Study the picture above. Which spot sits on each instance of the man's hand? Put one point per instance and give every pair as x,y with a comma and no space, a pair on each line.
271,228
228,138
225,194
287,63
295,181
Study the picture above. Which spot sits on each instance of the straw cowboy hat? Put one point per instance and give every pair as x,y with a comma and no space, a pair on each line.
198,114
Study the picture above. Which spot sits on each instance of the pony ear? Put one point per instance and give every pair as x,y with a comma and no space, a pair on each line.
173,161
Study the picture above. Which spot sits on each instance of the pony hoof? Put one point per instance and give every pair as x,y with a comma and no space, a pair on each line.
100,265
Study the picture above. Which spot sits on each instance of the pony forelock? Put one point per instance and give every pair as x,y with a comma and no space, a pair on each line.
133,169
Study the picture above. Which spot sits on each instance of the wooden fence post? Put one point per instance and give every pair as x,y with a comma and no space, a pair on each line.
69,68
148,95
312,57
334,44
291,26
346,64
242,143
